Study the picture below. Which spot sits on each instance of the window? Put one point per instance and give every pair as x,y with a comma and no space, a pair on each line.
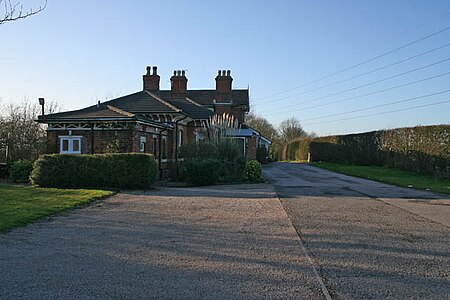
180,138
142,142
70,145
199,136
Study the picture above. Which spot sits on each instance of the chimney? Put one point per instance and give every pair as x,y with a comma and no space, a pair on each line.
151,81
223,86
179,84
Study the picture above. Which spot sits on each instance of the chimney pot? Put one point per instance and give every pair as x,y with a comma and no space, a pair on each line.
179,84
151,81
224,86
218,73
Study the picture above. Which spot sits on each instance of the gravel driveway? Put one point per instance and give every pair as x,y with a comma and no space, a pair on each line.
371,240
225,242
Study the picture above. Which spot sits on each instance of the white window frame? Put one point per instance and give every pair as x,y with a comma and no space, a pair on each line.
180,137
199,136
142,143
70,139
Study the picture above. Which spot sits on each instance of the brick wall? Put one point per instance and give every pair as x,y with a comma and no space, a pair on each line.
235,111
104,140
252,146
124,140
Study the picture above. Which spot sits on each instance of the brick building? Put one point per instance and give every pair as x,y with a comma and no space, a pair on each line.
152,120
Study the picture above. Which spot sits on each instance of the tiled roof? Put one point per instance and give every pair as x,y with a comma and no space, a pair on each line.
206,97
144,102
141,102
195,111
93,112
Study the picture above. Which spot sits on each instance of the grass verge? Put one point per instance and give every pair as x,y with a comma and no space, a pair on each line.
389,175
21,205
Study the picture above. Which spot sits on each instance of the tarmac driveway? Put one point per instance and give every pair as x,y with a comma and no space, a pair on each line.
370,240
225,242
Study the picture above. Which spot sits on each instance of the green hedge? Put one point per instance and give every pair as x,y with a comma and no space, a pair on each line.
125,171
253,170
20,171
422,149
202,172
225,156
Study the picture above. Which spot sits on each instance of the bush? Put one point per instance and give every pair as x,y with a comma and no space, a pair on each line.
232,171
226,153
127,171
202,172
198,150
229,150
20,171
253,170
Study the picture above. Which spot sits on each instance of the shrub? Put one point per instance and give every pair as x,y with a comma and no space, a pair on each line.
232,171
422,149
227,153
20,170
4,170
253,170
127,170
202,172
198,150
229,150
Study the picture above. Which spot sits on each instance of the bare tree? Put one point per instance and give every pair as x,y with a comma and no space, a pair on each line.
21,137
290,130
14,10
262,125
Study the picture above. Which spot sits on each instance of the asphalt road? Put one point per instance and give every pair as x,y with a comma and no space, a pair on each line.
222,242
369,240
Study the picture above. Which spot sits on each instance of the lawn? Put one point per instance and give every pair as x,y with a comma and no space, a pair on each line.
389,175
21,205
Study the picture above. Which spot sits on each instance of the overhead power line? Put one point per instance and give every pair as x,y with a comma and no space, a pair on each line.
361,63
380,113
367,94
380,105
364,85
357,76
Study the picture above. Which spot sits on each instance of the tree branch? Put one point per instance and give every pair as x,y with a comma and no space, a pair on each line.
14,11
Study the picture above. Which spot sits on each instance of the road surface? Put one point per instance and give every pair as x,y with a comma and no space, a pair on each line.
369,240
222,242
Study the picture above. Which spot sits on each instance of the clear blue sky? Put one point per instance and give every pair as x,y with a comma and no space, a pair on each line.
76,52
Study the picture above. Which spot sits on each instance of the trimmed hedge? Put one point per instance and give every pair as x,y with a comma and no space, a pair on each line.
422,149
20,170
232,171
226,156
125,171
202,172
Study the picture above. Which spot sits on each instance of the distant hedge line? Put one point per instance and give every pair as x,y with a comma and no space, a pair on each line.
422,149
125,171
